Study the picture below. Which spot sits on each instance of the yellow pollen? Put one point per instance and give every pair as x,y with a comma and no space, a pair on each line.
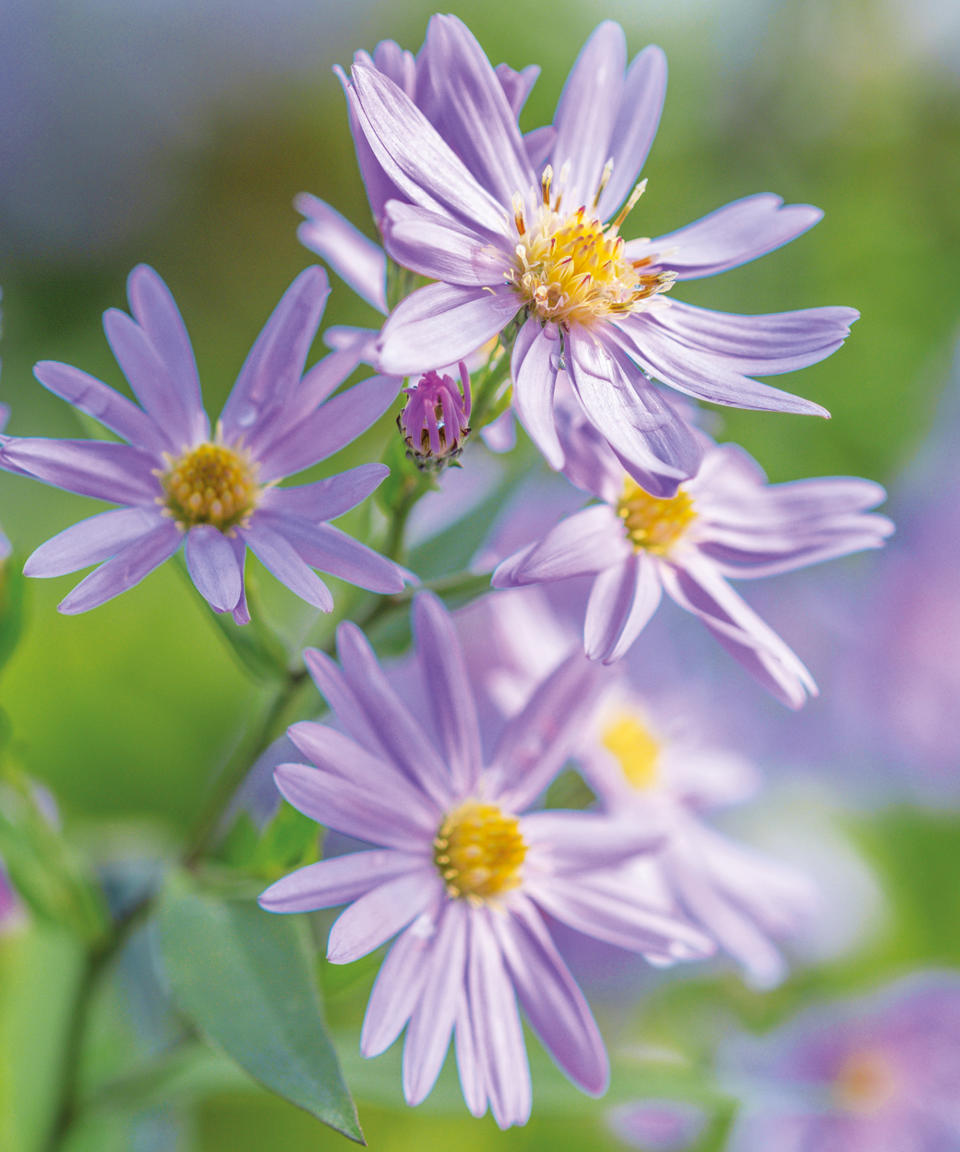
651,524
635,749
479,852
210,484
866,1081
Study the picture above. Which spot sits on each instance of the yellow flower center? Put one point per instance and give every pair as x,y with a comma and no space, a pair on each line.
635,749
479,852
866,1081
571,269
210,484
651,524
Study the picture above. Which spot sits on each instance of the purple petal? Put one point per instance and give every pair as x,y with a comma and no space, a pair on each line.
379,914
337,881
441,249
517,86
334,552
470,1069
241,613
327,499
101,402
581,545
277,554
127,568
338,694
574,841
212,564
727,237
398,986
107,471
621,603
534,365
442,324
92,541
354,258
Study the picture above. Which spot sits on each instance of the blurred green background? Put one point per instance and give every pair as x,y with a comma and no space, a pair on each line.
178,134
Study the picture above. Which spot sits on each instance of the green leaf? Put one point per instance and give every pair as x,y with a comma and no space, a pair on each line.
246,979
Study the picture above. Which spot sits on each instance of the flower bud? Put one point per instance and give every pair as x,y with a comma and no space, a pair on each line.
435,420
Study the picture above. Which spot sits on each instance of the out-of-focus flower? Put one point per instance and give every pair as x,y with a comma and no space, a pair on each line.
435,420
463,872
217,493
657,1125
11,909
725,522
874,1075
5,547
508,241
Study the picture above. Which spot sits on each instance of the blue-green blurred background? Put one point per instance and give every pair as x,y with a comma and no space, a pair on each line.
178,134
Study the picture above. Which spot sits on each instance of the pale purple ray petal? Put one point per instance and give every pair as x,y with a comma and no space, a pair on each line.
574,841
416,158
730,236
333,551
703,375
279,556
101,402
749,555
496,1027
636,125
327,499
452,704
241,613
535,363
379,187
116,472
587,111
155,310
474,110
517,86
354,258
442,324
549,995
328,429
122,571
338,694
275,363
622,601
379,914
469,1066
580,545
441,249
428,1035
539,144
336,881
765,344
337,802
351,348
212,564
91,541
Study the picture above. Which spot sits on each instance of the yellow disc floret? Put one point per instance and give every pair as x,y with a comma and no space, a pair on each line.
635,749
651,524
479,851
210,484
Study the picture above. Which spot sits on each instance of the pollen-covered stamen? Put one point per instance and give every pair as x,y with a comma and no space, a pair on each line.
635,748
479,851
210,484
654,525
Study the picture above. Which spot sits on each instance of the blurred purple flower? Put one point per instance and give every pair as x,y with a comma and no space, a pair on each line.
217,495
508,241
462,873
657,1125
11,909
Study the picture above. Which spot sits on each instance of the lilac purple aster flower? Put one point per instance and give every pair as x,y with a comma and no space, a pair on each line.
461,873
216,493
518,247
724,523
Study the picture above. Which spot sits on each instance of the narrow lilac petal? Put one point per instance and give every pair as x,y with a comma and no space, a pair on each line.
275,363
451,701
587,110
469,1065
122,571
581,545
240,612
744,559
398,985
107,471
641,104
496,1027
5,412
328,429
321,381
279,556
332,685
334,552
336,881
212,564
379,914
101,402
551,999
441,249
574,841
431,1024
442,324
155,310
539,143
378,185
622,601
535,363
327,499
730,236
91,541
336,802
355,259
517,86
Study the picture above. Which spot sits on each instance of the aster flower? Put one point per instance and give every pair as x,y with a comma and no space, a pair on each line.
435,421
725,522
462,871
508,241
217,494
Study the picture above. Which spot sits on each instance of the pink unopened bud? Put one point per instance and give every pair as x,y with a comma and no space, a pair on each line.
435,421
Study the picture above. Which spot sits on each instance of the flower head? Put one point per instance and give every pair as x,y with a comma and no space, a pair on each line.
435,421
215,491
464,872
